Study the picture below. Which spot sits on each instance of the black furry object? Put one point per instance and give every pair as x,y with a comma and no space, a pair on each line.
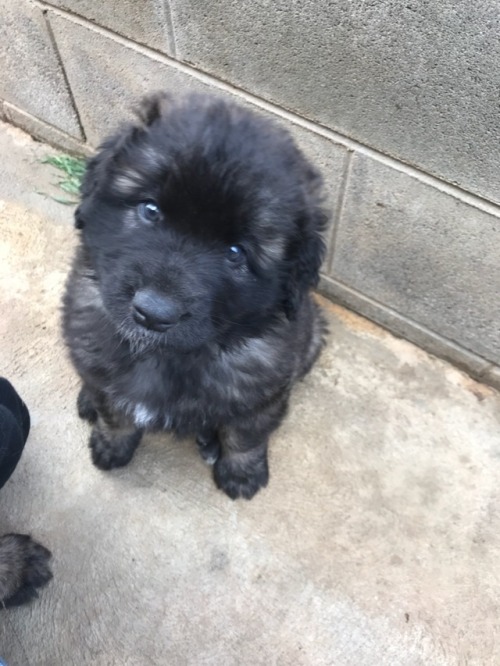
188,307
24,567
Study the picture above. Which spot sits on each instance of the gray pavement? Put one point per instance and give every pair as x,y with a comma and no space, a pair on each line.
376,543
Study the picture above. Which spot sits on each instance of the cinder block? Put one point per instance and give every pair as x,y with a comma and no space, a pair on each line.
43,131
422,253
416,80
403,327
32,77
146,22
107,79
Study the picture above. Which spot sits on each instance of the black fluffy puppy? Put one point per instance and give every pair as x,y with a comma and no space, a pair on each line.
188,306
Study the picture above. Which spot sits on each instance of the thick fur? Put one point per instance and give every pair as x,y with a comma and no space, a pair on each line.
231,256
24,567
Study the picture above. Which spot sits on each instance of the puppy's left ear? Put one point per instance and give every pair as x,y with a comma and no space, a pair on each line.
307,250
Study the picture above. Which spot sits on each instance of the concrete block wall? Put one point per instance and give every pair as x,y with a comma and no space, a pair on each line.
396,102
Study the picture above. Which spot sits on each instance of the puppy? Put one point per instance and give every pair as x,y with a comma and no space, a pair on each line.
188,307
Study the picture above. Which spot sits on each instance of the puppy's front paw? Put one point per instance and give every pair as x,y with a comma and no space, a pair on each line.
238,480
110,452
24,567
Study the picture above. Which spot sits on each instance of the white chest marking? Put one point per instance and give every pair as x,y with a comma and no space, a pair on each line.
143,417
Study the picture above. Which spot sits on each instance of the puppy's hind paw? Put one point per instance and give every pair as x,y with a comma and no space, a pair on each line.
86,409
24,567
209,448
237,481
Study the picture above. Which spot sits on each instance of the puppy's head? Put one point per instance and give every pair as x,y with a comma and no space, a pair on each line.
202,222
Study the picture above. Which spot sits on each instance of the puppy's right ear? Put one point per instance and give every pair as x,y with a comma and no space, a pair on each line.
89,184
150,109
79,221
97,167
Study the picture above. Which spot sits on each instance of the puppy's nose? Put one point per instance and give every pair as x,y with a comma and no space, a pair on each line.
154,310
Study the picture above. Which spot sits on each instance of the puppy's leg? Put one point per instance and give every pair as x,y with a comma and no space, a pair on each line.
209,446
24,566
242,468
113,441
85,405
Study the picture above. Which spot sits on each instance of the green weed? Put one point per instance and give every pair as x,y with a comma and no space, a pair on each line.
73,169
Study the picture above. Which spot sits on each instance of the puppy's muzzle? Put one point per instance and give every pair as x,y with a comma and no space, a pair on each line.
155,311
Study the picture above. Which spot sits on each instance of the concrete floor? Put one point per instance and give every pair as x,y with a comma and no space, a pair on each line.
376,543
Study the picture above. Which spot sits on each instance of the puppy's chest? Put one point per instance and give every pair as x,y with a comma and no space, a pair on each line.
161,396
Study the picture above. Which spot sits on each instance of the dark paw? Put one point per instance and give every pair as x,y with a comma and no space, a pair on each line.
86,409
108,453
209,448
240,481
24,567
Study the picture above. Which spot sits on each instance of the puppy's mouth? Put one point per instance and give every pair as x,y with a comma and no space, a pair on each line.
143,340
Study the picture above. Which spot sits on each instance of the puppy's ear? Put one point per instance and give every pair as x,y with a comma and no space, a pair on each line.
98,165
89,183
150,109
79,220
307,250
86,189
153,107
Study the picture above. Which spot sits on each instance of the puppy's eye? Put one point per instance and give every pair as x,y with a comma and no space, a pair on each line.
149,211
235,254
